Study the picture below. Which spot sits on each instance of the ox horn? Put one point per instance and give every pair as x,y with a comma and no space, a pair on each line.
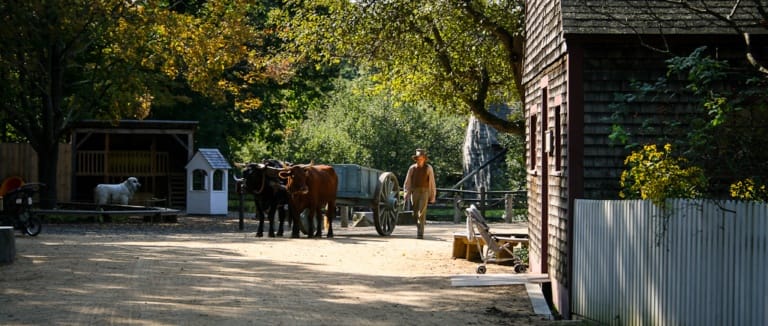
284,173
273,171
236,179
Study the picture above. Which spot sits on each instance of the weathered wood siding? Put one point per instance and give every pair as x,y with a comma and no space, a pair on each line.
576,61
546,104
609,71
543,40
21,160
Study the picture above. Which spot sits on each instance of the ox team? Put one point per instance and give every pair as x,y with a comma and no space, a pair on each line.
285,188
274,184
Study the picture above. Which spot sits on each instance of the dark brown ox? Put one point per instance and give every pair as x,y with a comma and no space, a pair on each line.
311,187
269,194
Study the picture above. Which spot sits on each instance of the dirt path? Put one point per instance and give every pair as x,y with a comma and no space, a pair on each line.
203,271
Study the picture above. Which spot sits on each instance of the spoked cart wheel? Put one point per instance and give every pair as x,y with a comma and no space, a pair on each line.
304,220
385,205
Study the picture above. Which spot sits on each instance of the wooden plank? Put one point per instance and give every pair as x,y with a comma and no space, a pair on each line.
138,212
498,279
538,301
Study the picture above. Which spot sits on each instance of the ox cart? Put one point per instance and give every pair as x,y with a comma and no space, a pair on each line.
361,186
357,187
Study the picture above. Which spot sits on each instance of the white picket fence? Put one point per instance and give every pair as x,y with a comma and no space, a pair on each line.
701,262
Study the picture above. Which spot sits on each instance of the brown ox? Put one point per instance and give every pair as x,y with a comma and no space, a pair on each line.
311,187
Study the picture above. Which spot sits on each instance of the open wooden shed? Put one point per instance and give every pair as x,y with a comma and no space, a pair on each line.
154,151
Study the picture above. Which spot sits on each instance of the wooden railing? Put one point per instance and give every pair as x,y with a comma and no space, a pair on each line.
132,163
483,199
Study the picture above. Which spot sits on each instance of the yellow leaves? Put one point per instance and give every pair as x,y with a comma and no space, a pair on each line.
247,104
658,175
748,189
145,105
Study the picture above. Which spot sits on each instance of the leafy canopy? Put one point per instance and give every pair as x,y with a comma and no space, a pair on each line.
69,60
359,126
457,55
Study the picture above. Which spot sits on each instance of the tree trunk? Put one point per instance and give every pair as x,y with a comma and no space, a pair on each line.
47,163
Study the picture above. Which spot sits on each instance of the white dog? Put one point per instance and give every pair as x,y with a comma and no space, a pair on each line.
120,193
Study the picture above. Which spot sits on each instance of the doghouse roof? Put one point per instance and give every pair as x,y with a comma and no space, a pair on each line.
212,157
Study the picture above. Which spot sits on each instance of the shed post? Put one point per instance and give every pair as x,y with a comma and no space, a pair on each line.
482,200
509,205
456,208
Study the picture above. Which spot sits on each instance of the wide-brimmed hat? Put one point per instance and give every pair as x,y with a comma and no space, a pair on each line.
420,152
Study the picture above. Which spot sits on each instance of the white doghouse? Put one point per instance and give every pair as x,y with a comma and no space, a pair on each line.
120,193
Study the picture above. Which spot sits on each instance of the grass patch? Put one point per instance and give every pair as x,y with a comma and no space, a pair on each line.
492,215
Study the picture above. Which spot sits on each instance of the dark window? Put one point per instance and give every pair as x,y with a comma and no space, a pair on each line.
532,143
198,179
218,180
558,138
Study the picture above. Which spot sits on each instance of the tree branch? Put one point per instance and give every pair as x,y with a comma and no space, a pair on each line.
511,42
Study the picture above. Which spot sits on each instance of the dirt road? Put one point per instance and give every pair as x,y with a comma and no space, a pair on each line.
203,271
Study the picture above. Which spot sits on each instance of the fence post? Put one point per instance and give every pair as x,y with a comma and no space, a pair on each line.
241,209
456,208
482,200
344,216
509,205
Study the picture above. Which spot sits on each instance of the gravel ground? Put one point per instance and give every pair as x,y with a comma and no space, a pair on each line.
205,271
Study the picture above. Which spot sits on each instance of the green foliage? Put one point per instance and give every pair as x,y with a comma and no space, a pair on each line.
715,115
459,56
69,60
363,127
515,161
522,253
658,175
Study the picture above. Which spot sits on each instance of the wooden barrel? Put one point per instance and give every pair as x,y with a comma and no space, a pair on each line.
7,245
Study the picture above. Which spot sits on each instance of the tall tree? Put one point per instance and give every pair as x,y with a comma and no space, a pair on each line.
460,55
370,129
63,61
290,88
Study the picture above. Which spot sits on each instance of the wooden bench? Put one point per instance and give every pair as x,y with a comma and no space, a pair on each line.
465,248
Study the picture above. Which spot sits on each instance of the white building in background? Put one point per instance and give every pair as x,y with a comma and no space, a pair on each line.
207,183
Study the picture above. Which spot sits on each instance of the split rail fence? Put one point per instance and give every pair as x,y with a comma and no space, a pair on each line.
484,200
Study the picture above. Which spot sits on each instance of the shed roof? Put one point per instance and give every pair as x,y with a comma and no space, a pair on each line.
136,126
214,158
659,17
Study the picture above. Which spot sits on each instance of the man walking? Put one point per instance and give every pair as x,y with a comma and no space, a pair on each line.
420,188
